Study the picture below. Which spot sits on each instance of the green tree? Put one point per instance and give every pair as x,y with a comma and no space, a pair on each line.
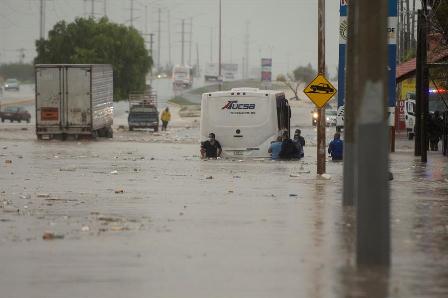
86,41
304,74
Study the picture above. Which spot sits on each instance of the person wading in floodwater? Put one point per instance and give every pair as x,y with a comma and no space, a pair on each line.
211,148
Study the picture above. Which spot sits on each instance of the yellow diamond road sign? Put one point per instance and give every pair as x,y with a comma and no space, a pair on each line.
320,91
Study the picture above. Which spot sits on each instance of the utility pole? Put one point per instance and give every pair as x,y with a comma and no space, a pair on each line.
159,30
350,150
169,37
151,42
246,50
422,85
105,8
190,41
182,59
132,13
321,150
408,27
197,60
146,20
42,20
219,47
211,45
372,133
413,43
92,9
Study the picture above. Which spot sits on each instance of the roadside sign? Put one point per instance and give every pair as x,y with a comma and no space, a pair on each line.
320,91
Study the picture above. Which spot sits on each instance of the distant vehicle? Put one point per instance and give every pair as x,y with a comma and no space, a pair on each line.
182,77
74,100
228,70
322,88
15,114
330,116
437,101
12,84
143,111
245,120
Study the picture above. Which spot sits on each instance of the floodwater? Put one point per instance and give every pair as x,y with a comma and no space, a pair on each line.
145,219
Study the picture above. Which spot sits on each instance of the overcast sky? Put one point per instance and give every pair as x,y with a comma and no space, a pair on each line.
287,29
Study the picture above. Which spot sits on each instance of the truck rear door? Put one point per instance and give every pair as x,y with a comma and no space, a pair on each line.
78,105
48,96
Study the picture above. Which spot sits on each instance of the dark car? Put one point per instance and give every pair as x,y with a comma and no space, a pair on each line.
12,84
143,116
15,114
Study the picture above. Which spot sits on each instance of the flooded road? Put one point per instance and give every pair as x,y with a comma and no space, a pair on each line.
150,219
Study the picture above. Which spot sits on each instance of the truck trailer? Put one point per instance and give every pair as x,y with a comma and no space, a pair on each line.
74,100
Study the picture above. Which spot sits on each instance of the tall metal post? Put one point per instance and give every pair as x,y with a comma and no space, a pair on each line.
220,50
349,192
321,69
105,8
92,9
132,13
371,54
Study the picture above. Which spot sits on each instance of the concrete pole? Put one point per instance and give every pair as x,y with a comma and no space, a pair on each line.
92,9
132,13
105,8
349,191
321,147
371,52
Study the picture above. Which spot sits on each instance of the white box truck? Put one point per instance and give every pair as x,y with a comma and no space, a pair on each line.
74,100
245,120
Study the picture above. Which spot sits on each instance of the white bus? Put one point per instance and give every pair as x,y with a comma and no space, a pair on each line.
245,120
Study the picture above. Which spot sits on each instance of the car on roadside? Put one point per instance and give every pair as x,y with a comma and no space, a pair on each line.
12,84
18,114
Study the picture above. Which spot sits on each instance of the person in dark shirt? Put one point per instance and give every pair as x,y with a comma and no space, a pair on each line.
299,141
335,149
211,148
289,149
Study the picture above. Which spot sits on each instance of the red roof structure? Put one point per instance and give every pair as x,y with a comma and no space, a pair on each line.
436,53
407,69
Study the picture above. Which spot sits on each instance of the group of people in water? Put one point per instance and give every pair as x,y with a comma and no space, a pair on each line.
283,148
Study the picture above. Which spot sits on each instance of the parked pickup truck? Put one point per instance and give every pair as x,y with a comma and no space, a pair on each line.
15,114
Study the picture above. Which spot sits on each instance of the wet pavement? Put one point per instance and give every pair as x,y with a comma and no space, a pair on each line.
139,219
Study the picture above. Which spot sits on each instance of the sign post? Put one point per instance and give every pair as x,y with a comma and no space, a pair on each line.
320,91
